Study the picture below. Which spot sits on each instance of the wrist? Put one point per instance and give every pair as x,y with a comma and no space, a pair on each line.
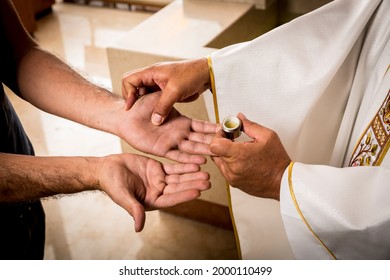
86,170
278,179
96,169
108,117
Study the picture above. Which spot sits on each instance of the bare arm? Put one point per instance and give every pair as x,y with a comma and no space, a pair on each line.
51,85
47,82
135,183
28,178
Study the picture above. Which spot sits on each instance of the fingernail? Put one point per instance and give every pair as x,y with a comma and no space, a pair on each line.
242,116
157,119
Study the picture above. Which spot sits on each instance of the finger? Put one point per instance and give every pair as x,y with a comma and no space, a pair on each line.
153,88
164,105
172,199
139,218
182,157
203,127
133,97
200,137
220,163
180,168
181,178
133,86
252,129
130,102
135,209
129,92
199,185
195,148
220,145
217,160
191,98
142,91
128,89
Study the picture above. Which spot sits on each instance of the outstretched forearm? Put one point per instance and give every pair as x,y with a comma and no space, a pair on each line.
48,83
51,85
25,178
57,89
133,182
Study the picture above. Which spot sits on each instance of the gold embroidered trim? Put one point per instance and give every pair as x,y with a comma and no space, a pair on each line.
290,167
374,142
216,112
366,151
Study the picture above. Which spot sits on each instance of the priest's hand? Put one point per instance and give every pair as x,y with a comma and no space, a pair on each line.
255,167
181,81
180,138
138,183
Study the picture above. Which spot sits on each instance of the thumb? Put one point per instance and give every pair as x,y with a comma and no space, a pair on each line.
137,211
218,161
220,145
252,129
139,217
163,107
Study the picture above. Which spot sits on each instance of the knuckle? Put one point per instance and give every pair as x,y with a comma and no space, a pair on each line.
214,147
273,134
233,175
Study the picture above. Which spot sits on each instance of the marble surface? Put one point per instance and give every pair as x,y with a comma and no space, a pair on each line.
90,225
184,28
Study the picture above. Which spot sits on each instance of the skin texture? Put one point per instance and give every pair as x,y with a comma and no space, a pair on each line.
181,81
255,167
179,138
134,182
71,96
151,185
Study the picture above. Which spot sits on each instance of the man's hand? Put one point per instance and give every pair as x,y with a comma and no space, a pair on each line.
138,183
179,138
180,81
255,167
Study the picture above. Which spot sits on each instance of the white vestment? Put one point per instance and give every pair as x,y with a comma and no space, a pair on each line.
317,81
